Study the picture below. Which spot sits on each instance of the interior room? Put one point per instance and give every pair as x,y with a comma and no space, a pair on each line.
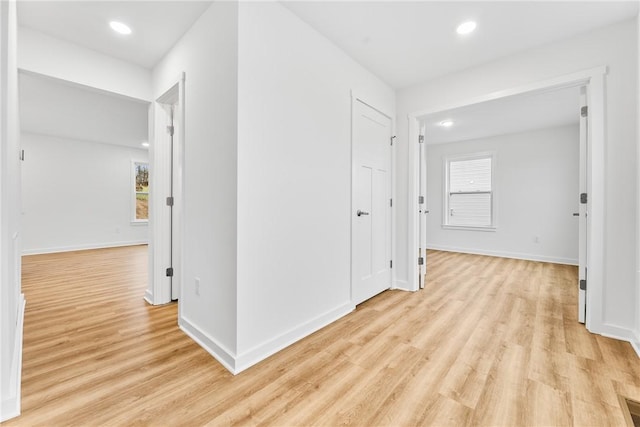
374,213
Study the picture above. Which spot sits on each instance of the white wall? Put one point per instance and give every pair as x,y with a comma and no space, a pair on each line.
536,192
636,342
207,54
43,54
11,298
267,170
614,46
77,195
294,178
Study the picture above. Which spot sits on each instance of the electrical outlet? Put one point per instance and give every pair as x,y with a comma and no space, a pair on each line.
197,288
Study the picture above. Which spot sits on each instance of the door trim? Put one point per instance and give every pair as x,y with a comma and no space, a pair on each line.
593,80
356,98
160,247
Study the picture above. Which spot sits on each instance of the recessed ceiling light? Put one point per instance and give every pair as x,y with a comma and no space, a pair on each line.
466,27
446,123
120,28
145,144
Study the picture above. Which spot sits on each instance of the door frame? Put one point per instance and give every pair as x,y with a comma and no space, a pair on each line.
160,218
356,98
593,80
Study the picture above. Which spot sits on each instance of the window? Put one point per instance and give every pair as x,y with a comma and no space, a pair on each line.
141,192
469,192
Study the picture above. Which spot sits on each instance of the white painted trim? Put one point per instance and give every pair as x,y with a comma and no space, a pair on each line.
354,98
10,408
616,332
593,80
273,345
401,285
505,254
159,216
222,354
565,81
635,343
238,363
83,247
148,296
446,196
596,147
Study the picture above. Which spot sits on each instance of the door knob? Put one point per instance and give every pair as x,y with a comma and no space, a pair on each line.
360,213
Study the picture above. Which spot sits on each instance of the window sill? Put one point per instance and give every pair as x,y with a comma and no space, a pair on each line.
140,222
469,227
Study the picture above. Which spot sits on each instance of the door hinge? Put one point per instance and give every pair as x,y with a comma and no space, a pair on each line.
391,264
22,155
390,203
421,261
170,130
583,285
170,272
584,111
421,200
421,139
170,201
583,198
392,138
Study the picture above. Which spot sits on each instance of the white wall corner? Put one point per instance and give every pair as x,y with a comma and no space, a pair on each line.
10,405
222,354
273,345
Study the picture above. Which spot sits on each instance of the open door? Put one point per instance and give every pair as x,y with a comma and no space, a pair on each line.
166,224
582,208
422,209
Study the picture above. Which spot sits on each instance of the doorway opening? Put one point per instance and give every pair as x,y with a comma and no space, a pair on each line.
589,85
505,178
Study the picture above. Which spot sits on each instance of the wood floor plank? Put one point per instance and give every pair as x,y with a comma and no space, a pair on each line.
489,341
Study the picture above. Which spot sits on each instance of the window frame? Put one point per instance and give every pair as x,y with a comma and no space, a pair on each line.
134,193
446,194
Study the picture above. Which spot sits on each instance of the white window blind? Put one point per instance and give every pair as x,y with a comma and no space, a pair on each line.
470,196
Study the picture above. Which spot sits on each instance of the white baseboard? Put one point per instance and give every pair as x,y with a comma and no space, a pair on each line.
238,363
83,247
269,347
635,343
148,296
10,405
619,333
223,355
402,285
503,254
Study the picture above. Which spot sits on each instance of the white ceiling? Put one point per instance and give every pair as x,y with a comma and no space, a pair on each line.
405,43
402,42
53,107
504,116
156,25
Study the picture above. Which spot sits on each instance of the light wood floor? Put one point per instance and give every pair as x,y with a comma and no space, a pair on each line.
490,341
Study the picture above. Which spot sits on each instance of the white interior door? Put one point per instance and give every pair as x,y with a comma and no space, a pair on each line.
370,203
422,210
582,210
